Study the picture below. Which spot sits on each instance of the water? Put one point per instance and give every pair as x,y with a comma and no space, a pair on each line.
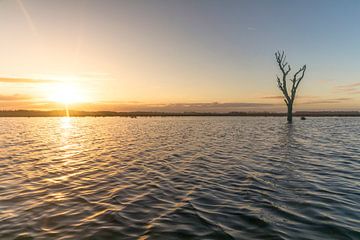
179,178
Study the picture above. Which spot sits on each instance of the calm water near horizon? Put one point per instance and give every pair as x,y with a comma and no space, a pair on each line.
179,178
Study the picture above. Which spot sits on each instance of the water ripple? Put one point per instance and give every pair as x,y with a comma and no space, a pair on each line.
179,178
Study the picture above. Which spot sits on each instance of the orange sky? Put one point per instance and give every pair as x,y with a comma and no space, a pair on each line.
129,56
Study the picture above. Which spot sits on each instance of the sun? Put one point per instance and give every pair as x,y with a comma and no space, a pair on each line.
66,93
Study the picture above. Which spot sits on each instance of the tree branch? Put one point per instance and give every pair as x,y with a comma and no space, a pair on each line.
287,103
303,69
281,81
280,59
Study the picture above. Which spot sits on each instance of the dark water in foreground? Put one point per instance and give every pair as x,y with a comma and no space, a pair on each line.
179,178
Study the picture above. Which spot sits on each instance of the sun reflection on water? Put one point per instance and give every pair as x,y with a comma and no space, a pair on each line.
66,123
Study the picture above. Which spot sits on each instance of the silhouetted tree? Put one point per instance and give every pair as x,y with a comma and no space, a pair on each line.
285,68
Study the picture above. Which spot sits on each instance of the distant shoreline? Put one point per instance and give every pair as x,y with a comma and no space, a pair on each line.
61,113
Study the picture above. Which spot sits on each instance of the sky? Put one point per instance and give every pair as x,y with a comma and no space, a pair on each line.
154,55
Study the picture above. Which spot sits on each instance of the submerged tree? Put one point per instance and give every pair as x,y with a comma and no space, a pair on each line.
285,68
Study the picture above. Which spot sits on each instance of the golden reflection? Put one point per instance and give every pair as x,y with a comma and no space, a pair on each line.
67,111
58,196
66,122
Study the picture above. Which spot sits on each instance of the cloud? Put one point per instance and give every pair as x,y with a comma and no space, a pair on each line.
218,105
328,101
181,107
353,88
342,99
282,97
15,97
273,97
350,85
309,100
23,80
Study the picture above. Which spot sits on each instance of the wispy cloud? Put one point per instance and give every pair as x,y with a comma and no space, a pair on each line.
282,97
313,100
219,105
15,102
184,107
353,88
328,101
273,97
23,80
341,99
350,85
15,97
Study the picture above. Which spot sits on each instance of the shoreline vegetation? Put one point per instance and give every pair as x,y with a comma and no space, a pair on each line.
72,113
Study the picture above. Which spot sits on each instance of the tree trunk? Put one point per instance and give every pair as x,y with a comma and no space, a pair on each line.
289,113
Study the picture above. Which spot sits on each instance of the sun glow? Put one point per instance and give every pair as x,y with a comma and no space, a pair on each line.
66,93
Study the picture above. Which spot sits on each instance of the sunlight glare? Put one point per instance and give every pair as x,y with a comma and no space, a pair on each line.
66,122
66,93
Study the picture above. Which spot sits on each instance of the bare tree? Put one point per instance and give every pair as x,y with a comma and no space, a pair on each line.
285,68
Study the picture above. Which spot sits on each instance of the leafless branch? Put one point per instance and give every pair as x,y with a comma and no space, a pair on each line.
298,76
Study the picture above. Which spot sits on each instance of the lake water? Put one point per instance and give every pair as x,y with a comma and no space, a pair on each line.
179,178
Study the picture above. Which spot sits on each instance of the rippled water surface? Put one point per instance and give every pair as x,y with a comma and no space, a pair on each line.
179,178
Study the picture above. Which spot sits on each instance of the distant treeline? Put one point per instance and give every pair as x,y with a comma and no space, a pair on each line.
60,113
